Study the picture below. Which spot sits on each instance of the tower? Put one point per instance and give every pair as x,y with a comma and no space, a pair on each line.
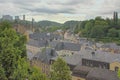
32,24
115,18
24,17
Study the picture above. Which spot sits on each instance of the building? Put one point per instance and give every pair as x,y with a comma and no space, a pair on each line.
36,46
7,17
45,36
17,18
86,60
42,59
87,73
99,59
110,47
101,74
67,48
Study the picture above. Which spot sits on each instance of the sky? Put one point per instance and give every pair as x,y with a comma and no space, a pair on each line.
59,10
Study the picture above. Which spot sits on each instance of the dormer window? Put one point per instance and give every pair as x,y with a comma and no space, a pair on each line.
93,53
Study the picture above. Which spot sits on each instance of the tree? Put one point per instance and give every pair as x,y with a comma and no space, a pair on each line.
97,32
21,46
22,70
119,73
13,59
99,18
60,70
88,28
36,74
112,32
118,33
8,51
2,74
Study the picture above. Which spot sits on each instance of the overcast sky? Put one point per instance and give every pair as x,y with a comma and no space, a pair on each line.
59,10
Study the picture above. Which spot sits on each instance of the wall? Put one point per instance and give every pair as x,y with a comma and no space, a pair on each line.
113,65
77,78
34,49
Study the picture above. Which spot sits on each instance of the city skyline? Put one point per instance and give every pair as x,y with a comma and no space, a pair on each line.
59,11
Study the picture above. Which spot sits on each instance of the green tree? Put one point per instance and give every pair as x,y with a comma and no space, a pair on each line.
119,33
60,70
112,32
21,46
13,61
36,74
119,73
22,70
2,74
8,38
97,32
88,28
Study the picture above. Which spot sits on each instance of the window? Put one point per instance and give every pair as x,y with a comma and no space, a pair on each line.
116,69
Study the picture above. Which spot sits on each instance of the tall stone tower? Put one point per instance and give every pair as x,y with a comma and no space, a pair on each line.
115,18
24,17
32,27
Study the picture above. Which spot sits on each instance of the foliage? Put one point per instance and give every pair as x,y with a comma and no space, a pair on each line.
36,74
119,73
46,23
13,58
112,32
2,74
98,29
9,52
21,72
52,29
60,70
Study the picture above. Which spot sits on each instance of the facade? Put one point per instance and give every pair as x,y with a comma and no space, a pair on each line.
7,17
114,66
93,63
68,35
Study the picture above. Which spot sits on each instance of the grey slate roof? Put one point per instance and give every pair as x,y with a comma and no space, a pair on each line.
76,59
101,74
36,43
46,55
110,45
100,56
53,43
81,71
45,36
68,46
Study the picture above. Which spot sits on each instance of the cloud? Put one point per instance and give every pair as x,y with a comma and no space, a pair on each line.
66,8
49,11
